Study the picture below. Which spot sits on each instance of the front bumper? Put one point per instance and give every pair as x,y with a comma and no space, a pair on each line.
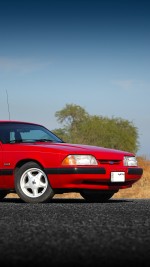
91,178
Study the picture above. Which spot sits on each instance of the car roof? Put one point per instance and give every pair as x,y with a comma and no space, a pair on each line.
13,121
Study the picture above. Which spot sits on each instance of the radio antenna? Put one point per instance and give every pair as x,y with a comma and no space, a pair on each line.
8,105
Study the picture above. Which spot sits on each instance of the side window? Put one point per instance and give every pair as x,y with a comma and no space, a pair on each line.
4,136
12,136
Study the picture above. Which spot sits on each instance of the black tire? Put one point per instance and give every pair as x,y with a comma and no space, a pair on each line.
3,193
32,185
97,196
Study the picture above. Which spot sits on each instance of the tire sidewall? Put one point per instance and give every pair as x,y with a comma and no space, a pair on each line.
100,196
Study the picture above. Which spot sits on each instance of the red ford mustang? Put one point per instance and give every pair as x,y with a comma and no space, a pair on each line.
36,164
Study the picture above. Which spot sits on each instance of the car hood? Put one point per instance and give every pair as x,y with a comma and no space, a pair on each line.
66,148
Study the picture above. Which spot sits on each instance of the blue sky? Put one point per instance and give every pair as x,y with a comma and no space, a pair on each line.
95,54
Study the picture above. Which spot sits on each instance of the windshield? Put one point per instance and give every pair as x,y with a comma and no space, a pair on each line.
11,132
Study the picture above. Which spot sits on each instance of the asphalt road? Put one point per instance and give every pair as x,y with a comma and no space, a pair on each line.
71,232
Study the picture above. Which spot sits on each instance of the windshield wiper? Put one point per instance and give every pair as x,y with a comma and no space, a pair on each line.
44,140
21,141
17,141
49,140
14,141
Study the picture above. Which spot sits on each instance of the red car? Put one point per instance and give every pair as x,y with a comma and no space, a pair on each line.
36,164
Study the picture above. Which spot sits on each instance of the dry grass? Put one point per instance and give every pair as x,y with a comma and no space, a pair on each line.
140,189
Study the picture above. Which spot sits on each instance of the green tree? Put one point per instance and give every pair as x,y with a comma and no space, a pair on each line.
80,127
72,116
113,133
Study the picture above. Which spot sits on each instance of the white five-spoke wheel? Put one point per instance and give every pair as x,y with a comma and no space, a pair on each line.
32,184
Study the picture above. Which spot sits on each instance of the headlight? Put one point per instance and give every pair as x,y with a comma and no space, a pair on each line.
129,161
79,160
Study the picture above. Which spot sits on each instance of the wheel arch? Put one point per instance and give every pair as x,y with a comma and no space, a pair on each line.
24,161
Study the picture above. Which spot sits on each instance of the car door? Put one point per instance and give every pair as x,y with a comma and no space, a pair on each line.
1,166
6,173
